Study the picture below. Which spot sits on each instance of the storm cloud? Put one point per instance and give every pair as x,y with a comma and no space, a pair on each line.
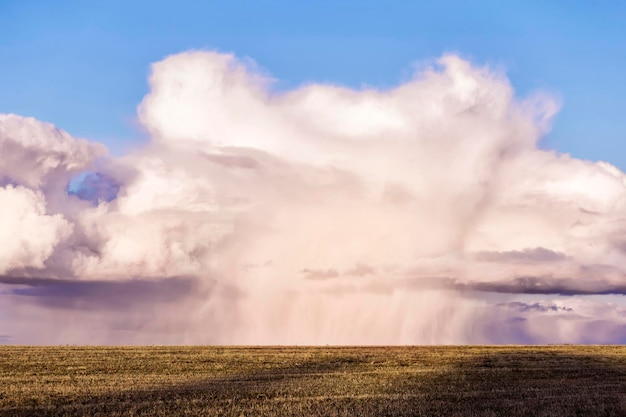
318,215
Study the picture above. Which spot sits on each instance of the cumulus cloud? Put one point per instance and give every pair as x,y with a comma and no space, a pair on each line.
29,235
322,214
34,154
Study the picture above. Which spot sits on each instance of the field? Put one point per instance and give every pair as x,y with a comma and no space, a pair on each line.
332,381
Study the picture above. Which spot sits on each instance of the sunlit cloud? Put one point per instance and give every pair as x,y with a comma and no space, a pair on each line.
319,215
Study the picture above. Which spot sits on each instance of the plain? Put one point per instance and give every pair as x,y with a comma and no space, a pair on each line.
331,381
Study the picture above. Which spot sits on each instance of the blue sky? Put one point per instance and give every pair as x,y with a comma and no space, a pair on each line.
83,65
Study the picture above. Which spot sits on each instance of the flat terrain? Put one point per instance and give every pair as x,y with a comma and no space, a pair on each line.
332,381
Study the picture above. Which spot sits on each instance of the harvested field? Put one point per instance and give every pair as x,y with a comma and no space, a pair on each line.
329,381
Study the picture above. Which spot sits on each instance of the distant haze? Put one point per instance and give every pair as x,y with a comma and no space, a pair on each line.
422,214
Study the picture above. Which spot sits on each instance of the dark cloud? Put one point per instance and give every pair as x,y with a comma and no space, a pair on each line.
537,307
100,294
534,255
520,285
5,339
546,285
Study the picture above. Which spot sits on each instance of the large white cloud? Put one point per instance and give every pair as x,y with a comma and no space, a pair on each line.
331,215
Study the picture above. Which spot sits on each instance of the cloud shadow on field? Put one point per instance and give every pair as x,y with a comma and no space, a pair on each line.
541,381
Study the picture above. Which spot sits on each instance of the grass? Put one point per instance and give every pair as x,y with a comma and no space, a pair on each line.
330,381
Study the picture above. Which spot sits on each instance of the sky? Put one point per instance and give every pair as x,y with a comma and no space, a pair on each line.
83,66
312,173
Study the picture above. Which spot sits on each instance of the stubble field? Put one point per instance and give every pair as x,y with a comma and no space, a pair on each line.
330,381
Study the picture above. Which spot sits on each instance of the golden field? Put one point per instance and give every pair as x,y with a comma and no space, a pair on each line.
329,381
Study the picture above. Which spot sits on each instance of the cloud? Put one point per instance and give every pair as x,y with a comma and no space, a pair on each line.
118,294
523,307
334,215
34,154
29,235
320,273
523,256
547,285
574,320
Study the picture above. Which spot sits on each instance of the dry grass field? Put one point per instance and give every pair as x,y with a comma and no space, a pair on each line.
330,381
